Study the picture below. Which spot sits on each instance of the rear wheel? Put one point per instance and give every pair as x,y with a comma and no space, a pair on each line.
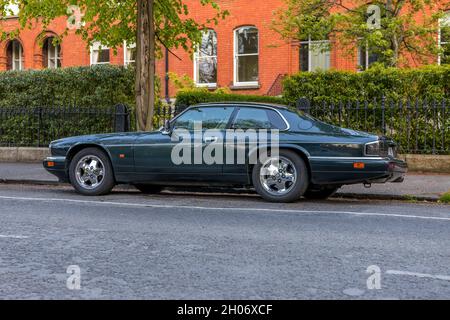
148,189
283,178
320,193
91,172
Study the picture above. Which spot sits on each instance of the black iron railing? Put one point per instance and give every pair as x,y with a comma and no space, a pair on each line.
37,127
418,125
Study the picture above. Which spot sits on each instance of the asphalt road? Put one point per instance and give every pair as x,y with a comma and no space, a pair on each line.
185,246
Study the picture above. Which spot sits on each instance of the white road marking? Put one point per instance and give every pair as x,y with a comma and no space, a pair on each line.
4,236
149,205
419,275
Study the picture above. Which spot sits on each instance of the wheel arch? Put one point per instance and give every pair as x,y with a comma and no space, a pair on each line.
81,146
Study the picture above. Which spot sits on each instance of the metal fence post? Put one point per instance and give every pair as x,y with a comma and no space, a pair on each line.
304,104
383,114
39,114
121,118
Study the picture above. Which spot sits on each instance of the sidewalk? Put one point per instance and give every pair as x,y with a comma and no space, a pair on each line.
416,186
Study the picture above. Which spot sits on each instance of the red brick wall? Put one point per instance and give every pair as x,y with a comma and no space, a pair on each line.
74,51
276,57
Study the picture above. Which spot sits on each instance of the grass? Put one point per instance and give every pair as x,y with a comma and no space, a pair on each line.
445,198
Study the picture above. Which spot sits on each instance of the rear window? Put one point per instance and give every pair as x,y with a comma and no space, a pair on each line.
258,118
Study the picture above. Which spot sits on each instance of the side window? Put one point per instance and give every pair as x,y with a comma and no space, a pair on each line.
210,118
252,118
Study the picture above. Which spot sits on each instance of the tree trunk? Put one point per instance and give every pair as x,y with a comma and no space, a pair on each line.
145,65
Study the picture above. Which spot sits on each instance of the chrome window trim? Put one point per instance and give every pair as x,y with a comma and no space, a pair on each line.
365,147
347,158
288,126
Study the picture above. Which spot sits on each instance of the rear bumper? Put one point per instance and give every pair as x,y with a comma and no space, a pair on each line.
341,170
57,167
396,171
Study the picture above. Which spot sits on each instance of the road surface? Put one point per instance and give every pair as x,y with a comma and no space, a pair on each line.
194,246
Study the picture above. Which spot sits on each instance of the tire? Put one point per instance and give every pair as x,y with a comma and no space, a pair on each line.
148,188
264,182
82,175
320,194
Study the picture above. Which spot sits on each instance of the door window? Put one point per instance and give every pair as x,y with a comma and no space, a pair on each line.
210,118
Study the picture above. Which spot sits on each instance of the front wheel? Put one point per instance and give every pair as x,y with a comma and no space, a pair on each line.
283,178
91,172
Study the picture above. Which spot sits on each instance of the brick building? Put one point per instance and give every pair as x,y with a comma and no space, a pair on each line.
241,53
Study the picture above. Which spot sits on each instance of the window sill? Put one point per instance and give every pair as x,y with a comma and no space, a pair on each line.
210,88
246,87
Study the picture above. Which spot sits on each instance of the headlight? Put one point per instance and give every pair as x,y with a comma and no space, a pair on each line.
373,149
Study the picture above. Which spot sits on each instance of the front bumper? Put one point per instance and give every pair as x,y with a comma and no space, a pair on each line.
57,166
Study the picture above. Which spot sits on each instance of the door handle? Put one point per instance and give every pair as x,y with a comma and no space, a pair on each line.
210,139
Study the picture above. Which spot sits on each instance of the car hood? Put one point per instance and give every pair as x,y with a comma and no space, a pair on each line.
96,138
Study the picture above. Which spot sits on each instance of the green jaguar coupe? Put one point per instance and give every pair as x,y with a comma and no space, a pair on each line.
284,154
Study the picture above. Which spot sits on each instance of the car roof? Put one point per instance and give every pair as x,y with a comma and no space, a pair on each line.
242,103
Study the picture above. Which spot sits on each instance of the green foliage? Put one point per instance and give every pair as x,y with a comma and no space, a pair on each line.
190,97
445,198
75,101
335,95
114,21
346,23
334,86
100,86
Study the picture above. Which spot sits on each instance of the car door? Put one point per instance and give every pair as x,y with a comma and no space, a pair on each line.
246,122
197,129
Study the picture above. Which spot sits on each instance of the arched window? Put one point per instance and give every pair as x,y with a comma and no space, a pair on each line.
15,55
246,56
205,60
51,54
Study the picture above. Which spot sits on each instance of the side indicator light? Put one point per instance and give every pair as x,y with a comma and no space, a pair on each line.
121,156
359,165
50,164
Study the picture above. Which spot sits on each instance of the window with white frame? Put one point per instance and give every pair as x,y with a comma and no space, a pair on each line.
129,52
52,54
205,60
366,57
314,55
15,55
444,39
99,54
246,56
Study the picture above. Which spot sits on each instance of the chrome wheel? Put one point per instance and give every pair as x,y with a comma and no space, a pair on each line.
90,172
278,176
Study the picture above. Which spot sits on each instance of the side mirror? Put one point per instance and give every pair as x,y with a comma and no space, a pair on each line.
167,129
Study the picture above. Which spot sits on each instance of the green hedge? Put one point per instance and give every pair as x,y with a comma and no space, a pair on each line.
334,95
190,97
333,86
83,86
76,101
